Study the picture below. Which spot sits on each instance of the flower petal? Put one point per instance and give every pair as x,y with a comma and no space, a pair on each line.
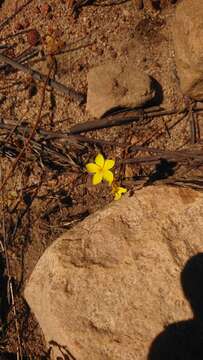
122,190
119,191
97,178
92,168
108,164
99,160
117,196
108,176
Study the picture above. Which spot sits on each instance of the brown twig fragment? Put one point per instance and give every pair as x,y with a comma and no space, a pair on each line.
70,4
139,4
110,121
21,58
74,95
21,32
120,119
182,156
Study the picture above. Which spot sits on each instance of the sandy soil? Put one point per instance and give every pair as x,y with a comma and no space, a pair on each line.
43,198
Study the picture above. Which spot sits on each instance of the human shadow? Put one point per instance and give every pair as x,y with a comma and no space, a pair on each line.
184,340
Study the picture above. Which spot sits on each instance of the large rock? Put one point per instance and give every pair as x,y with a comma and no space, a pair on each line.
188,34
106,288
114,85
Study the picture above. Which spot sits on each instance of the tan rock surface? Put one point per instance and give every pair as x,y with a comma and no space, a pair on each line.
187,34
114,85
108,287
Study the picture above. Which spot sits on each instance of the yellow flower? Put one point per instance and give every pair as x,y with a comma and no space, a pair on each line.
101,169
118,191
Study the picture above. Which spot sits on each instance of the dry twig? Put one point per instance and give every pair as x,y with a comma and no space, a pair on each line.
27,141
74,95
110,121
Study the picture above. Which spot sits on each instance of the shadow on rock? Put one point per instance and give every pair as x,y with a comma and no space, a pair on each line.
155,101
184,340
158,98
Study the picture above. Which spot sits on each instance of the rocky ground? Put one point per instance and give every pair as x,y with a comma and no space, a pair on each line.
132,64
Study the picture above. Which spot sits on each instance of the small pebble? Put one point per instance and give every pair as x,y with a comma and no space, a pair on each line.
33,37
45,8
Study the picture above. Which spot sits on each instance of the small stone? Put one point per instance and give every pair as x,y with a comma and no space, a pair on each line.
19,26
45,8
33,37
113,85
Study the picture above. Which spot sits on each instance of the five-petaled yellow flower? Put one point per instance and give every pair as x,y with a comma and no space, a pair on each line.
118,191
101,170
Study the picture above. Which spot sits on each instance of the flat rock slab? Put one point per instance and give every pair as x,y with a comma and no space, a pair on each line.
188,34
113,85
106,288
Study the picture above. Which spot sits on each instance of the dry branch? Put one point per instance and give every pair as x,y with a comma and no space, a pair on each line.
110,121
187,156
74,95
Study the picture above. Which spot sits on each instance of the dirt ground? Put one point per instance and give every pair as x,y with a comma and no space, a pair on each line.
44,187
